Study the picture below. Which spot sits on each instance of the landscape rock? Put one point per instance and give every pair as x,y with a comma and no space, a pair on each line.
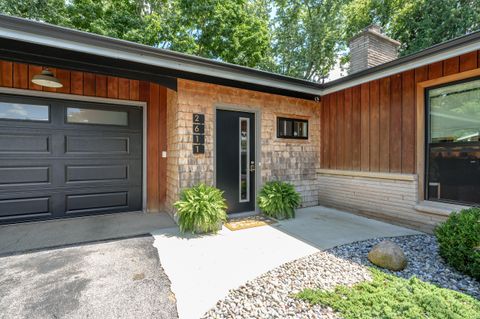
271,294
389,255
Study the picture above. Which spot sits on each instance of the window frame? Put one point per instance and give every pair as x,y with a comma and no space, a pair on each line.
427,138
292,120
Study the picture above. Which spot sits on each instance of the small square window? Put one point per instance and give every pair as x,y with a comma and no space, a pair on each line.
292,128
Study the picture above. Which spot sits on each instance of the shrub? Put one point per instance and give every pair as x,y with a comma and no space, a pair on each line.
201,209
279,200
388,296
459,241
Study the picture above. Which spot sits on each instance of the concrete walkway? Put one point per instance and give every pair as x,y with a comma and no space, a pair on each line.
47,234
202,269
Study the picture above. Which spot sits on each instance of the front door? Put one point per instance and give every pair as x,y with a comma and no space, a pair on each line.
235,159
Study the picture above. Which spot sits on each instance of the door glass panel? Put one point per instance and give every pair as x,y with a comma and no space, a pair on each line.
244,159
454,143
93,116
26,112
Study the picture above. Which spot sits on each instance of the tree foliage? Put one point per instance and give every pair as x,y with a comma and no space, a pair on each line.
306,34
299,38
234,31
417,24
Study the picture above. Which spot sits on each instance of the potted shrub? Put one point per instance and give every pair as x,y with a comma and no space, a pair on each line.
279,200
201,209
459,241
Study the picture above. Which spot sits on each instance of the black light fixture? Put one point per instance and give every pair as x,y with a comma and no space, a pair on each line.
47,79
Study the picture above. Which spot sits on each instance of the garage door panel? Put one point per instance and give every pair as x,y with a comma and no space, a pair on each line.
82,203
22,207
23,144
97,145
21,175
94,173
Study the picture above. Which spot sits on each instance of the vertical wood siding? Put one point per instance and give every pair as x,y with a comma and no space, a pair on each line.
372,126
19,75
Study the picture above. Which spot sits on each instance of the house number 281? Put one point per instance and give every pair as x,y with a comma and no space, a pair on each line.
198,133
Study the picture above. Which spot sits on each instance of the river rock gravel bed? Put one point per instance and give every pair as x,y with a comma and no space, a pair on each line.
270,295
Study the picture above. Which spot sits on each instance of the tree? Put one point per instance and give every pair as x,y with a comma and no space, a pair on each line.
417,24
298,38
234,31
51,11
306,35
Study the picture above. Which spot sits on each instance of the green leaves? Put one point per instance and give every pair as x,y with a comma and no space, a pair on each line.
417,24
306,37
279,200
201,209
297,38
459,239
391,297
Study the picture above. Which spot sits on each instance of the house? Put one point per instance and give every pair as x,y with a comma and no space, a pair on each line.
132,125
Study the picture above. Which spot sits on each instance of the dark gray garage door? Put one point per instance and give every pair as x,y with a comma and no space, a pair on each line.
64,158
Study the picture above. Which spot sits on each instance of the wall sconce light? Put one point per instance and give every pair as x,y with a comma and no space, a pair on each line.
47,79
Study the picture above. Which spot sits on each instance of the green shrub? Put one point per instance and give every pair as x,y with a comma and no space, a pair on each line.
279,200
459,241
391,297
201,209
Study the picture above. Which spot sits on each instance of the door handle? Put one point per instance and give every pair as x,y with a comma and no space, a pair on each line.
252,166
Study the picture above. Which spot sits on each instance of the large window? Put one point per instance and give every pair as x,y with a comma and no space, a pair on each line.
453,144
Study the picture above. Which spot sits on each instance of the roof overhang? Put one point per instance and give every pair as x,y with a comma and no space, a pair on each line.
436,53
45,44
180,65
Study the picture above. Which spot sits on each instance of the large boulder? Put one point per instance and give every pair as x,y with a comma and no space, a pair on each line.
388,255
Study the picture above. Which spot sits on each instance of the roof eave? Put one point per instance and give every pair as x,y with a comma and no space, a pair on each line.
49,35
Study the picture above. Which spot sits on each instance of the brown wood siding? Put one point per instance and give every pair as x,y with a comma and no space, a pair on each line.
19,75
378,132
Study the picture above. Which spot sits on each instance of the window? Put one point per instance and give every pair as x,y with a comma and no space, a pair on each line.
93,116
453,142
244,160
292,128
25,112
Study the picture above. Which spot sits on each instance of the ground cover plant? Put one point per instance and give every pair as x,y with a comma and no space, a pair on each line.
459,241
391,297
201,209
279,200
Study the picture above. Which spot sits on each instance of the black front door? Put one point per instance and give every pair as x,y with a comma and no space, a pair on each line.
236,159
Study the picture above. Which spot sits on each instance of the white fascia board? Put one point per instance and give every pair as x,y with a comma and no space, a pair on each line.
151,60
405,67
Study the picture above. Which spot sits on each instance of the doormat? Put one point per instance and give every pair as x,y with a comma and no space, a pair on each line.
248,222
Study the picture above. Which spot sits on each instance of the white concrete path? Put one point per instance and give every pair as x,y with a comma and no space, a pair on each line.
203,269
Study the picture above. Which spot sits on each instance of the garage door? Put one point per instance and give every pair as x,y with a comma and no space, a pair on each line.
66,158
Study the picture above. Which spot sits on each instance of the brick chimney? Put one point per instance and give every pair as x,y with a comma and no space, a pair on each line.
370,48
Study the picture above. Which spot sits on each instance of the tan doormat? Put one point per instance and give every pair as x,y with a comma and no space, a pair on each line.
248,222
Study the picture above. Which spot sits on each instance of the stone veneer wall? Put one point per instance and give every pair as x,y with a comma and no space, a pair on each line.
295,161
392,199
